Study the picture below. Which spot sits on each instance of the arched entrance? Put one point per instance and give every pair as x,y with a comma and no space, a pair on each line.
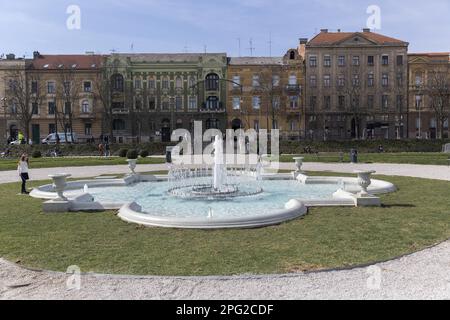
165,130
13,132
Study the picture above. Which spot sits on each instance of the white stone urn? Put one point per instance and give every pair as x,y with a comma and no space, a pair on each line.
59,184
132,165
364,181
299,164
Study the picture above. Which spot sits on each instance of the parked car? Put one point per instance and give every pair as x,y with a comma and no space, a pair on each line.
15,143
52,139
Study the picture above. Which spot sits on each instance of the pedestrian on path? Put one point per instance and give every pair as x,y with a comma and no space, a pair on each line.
22,169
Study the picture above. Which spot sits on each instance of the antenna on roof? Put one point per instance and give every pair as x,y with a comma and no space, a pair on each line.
205,47
251,47
132,47
239,43
270,44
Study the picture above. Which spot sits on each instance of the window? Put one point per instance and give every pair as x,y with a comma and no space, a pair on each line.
256,103
341,61
51,87
192,103
399,102
138,84
152,103
88,129
85,107
355,81
399,60
400,79
418,80
370,60
34,87
313,81
313,61
313,102
370,101
385,80
293,102
165,104
293,125
326,81
255,81
51,128
292,80
179,83
433,123
327,61
87,86
276,101
118,125
67,108
236,81
385,60
212,124
138,103
51,108
212,82
341,80
151,84
165,83
275,124
356,60
371,80
418,100
192,82
117,82
212,103
385,102
34,108
292,55
67,86
276,81
179,103
236,103
341,103
327,102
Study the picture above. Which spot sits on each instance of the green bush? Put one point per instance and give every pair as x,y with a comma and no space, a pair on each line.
36,154
123,153
144,153
132,154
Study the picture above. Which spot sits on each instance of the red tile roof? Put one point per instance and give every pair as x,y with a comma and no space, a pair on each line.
77,62
331,38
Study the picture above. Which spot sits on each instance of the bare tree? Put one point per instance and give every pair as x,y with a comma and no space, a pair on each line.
68,92
22,92
269,88
438,90
103,92
351,90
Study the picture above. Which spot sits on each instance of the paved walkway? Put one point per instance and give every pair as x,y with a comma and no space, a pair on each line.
424,275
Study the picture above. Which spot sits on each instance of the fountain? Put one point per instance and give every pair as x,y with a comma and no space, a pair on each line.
196,184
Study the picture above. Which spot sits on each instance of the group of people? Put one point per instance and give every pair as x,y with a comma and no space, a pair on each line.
104,149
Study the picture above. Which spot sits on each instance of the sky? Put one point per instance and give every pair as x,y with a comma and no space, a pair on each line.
210,25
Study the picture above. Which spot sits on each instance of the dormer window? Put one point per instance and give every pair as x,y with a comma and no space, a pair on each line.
292,55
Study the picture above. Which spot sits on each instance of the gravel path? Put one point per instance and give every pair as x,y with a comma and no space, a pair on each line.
423,275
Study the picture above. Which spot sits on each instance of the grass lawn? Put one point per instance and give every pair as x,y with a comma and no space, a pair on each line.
11,164
416,216
403,158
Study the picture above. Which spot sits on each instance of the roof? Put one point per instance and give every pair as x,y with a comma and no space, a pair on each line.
333,38
256,61
443,55
169,57
76,62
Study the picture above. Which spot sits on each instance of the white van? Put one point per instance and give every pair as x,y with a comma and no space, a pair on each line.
51,138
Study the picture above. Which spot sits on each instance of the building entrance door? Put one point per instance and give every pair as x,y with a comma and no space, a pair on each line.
36,133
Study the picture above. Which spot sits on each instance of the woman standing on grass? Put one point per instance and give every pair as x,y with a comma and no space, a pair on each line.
22,169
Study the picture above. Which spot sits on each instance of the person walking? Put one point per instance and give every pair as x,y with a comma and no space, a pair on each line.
107,150
22,169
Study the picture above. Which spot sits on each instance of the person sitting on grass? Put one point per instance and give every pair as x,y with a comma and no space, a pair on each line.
22,169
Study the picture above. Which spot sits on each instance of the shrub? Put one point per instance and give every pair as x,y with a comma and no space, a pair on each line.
123,153
132,154
36,154
144,154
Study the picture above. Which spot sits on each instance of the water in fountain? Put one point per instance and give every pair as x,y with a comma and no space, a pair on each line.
200,183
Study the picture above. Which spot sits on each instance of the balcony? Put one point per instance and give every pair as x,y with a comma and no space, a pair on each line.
293,88
212,110
87,115
120,111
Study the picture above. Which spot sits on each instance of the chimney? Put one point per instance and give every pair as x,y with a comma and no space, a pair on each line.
324,30
366,30
302,47
11,56
36,55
